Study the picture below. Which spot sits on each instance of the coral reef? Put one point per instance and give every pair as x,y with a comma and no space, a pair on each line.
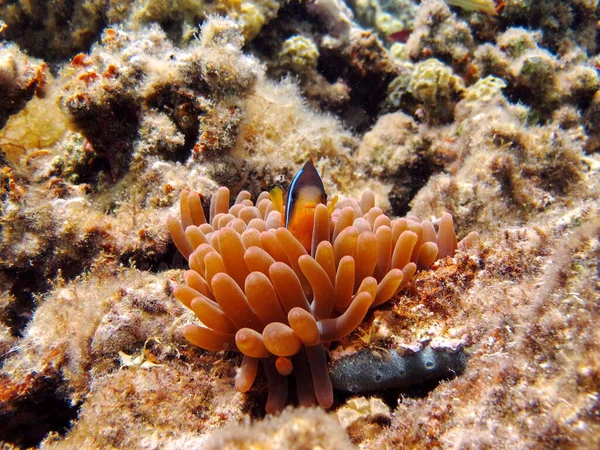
434,86
119,103
394,151
72,335
353,68
529,167
534,75
38,126
299,55
492,117
428,90
364,418
592,123
570,23
63,30
546,407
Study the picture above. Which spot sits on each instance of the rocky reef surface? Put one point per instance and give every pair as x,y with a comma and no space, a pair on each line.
109,109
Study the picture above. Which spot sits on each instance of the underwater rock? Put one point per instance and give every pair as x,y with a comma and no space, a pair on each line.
440,34
568,23
367,371
536,76
336,18
436,88
55,30
20,78
301,428
299,55
136,89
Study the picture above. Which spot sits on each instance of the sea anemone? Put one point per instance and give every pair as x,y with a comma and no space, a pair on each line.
257,290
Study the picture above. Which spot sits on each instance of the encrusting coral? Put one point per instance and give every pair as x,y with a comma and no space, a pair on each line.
258,290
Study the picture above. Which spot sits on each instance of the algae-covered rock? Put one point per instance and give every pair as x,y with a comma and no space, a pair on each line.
20,78
299,54
435,86
440,34
300,428
492,116
533,74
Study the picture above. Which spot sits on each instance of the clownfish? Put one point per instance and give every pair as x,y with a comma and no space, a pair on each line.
305,193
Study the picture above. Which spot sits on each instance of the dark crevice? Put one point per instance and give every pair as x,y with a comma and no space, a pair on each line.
24,287
184,107
35,408
405,189
27,284
154,262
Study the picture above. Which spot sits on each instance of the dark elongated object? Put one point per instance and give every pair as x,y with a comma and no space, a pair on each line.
367,371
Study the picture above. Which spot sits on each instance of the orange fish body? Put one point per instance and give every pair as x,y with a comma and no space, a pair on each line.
300,220
305,193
